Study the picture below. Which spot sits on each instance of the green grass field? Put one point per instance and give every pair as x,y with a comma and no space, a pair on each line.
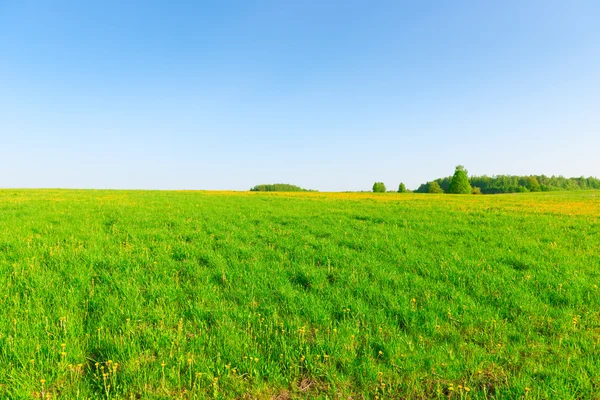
149,294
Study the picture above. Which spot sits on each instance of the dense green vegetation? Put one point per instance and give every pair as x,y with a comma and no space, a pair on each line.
379,187
433,187
459,184
112,294
279,187
518,184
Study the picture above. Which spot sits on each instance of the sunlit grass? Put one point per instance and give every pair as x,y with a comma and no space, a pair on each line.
114,294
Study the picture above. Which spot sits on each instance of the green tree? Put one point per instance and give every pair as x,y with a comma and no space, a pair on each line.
434,187
278,187
379,187
514,184
402,188
460,182
532,184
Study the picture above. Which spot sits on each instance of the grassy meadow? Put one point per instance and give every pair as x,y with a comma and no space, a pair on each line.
156,295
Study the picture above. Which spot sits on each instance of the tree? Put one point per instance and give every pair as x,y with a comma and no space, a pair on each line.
378,187
514,184
460,182
434,187
278,187
402,188
532,184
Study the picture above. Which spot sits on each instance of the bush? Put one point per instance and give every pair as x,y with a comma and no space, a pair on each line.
475,190
402,188
379,187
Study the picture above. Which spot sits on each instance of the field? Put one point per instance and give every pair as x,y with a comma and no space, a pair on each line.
150,294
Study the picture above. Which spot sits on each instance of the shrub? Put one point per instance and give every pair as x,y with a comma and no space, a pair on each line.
402,188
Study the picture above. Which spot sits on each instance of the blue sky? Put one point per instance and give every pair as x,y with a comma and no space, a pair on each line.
329,95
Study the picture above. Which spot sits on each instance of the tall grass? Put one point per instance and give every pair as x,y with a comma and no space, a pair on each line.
141,294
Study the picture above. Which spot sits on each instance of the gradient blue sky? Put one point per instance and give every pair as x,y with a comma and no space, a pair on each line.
329,95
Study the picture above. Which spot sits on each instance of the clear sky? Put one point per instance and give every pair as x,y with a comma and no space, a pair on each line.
329,95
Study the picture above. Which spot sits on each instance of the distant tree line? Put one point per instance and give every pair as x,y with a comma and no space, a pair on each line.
457,184
508,184
461,183
279,187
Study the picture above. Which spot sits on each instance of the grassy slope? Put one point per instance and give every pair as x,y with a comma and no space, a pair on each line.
202,294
